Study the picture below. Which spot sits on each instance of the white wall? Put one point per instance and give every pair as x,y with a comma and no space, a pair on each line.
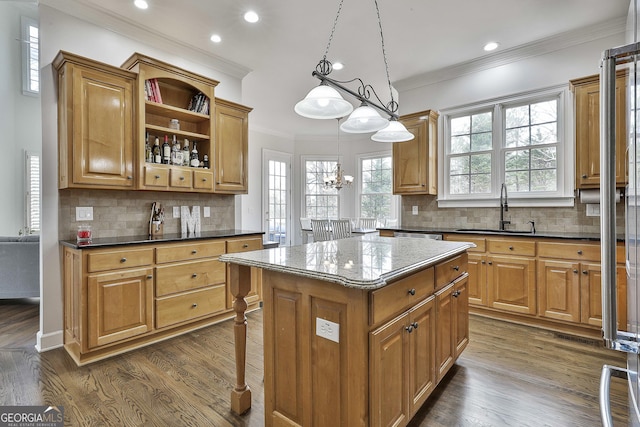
19,120
60,31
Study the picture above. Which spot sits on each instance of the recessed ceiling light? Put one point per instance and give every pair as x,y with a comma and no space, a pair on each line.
251,16
216,38
338,66
491,46
141,4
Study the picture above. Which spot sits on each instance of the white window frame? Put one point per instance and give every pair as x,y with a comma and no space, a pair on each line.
563,197
303,173
27,47
395,200
33,190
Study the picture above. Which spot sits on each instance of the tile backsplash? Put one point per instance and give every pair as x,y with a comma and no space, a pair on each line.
569,220
126,213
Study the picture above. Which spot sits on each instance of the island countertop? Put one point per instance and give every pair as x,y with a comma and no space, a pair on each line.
364,262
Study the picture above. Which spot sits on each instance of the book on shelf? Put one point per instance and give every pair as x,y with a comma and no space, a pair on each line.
199,104
152,91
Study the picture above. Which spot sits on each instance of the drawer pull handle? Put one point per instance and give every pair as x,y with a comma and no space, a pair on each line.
194,305
195,251
194,275
510,248
157,176
412,291
149,277
575,270
579,252
245,245
456,294
123,260
456,268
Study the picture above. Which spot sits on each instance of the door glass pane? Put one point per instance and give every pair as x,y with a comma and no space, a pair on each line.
277,191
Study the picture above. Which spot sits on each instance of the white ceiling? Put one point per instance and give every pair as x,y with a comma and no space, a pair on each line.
283,48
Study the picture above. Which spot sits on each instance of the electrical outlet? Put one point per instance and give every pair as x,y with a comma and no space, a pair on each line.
84,213
593,209
207,211
414,210
176,211
328,329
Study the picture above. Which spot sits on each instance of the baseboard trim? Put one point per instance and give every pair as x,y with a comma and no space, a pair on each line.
50,341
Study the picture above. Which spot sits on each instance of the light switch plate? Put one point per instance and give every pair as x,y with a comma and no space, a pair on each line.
176,211
207,211
328,329
84,213
593,209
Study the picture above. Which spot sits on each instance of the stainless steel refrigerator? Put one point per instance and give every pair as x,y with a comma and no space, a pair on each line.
622,337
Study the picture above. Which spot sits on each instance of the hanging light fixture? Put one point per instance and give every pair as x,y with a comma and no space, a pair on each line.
325,102
338,179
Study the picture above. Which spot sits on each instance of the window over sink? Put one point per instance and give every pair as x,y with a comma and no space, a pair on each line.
521,140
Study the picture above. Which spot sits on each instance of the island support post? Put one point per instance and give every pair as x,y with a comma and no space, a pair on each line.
240,283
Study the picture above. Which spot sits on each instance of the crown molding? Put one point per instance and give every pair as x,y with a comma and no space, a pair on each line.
537,48
104,18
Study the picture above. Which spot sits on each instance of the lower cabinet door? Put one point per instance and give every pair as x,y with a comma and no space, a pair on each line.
461,313
511,284
119,305
445,331
422,345
389,363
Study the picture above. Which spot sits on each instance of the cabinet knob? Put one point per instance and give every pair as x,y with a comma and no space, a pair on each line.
194,305
584,175
490,263
194,251
182,178
129,177
585,272
194,275
204,179
409,328
246,245
456,294
579,252
123,260
218,182
456,268
510,248
149,277
483,262
575,270
157,176
412,291
415,325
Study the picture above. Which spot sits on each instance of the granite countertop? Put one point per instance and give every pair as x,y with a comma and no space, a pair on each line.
514,233
364,262
167,237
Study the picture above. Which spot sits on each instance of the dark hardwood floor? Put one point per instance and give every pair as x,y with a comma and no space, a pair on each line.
510,375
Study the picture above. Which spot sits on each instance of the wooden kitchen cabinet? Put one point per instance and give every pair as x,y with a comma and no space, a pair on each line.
231,147
587,130
177,87
415,161
96,126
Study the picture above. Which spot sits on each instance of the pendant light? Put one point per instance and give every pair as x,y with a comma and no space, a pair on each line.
394,132
323,102
364,119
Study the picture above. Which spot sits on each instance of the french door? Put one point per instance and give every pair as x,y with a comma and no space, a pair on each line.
276,200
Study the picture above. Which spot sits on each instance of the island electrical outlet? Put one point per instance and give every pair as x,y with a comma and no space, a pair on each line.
328,329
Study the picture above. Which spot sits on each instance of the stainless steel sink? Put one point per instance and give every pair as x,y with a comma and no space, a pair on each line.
492,230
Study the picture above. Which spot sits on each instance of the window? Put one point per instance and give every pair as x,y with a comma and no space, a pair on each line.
376,186
518,141
319,202
32,199
30,57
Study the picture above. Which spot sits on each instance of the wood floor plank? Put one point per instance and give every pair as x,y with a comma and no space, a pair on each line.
509,375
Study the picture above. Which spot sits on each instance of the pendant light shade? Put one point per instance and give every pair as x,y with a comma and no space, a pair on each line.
323,102
394,132
364,119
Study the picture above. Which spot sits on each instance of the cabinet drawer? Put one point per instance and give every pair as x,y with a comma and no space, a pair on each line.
180,178
244,245
480,242
189,275
512,247
189,251
114,260
203,180
190,305
577,251
448,271
396,297
156,176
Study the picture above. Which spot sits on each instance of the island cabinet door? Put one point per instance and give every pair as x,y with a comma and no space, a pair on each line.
445,332
422,353
389,365
461,313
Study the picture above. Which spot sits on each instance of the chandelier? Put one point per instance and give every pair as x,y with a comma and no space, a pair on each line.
325,102
338,179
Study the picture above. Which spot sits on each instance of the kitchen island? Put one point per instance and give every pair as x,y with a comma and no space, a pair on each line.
357,331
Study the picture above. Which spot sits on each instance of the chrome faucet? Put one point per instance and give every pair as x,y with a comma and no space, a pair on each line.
504,206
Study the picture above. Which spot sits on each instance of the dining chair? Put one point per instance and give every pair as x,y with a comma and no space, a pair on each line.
320,229
341,228
305,229
368,223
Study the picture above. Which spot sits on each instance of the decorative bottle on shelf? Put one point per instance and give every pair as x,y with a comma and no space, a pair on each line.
166,151
157,153
176,152
185,153
195,161
148,154
205,161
